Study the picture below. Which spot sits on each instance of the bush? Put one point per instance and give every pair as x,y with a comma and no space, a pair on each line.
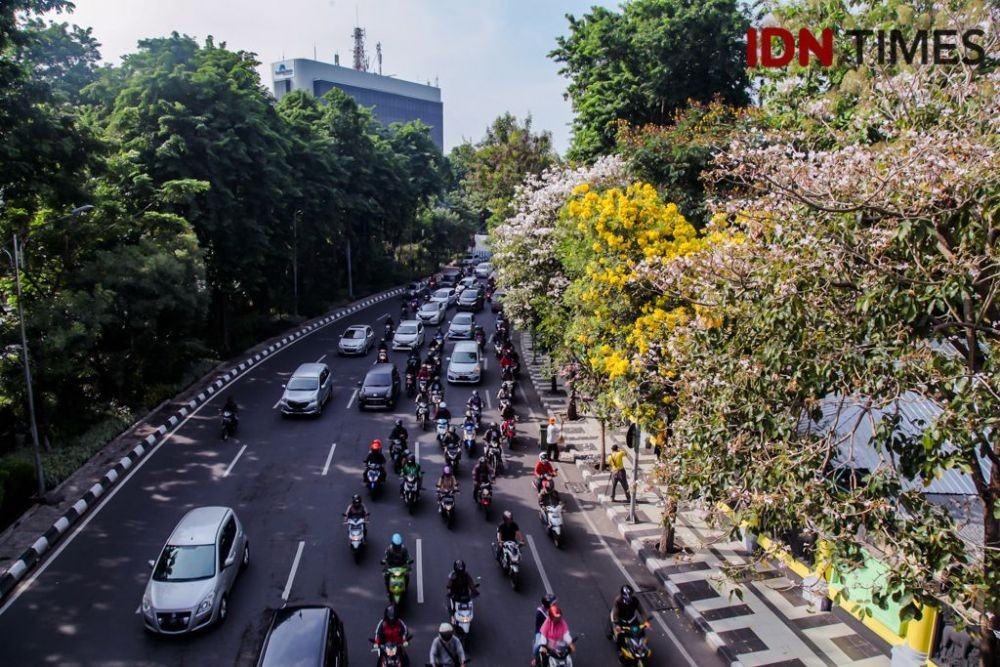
17,484
66,459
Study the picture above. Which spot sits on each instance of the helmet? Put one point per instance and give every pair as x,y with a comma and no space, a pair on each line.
552,420
446,631
447,470
451,428
548,600
443,404
627,592
397,539
399,422
459,565
411,459
507,515
544,456
555,611
356,499
390,613
475,392
482,459
376,445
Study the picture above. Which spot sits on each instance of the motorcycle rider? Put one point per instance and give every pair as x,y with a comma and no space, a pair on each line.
399,432
626,610
469,422
424,374
392,630
447,482
475,402
482,473
547,494
507,412
542,612
507,531
442,411
460,586
413,361
492,433
375,456
451,437
543,467
411,467
396,555
357,510
231,406
447,649
554,631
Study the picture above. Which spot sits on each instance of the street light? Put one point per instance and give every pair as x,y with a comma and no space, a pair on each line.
15,261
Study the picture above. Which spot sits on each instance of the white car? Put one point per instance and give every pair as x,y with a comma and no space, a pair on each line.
466,283
357,339
465,364
409,335
432,312
462,326
445,295
483,270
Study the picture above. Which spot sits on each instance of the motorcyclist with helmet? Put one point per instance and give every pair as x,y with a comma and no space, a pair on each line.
447,482
461,586
482,473
475,402
396,555
626,611
357,510
447,649
507,531
411,467
399,432
451,436
392,630
542,469
375,456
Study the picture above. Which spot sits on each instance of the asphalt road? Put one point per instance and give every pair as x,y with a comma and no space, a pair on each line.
289,480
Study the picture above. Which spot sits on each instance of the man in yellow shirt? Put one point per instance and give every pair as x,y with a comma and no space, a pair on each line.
616,461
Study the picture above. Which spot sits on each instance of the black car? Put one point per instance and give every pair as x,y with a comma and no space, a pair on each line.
380,388
417,290
471,298
304,634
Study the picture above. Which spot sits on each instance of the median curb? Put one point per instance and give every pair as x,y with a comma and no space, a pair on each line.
33,555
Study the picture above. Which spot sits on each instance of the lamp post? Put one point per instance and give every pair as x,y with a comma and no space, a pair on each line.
295,260
15,261
632,516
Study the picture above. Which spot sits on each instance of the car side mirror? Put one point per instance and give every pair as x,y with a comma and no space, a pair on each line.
151,563
230,559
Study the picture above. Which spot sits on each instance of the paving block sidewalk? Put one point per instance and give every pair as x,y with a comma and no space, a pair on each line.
762,620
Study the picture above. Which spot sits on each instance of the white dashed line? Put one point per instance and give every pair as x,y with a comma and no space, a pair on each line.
291,575
238,455
381,317
354,394
321,359
489,402
538,563
420,571
276,404
486,363
329,457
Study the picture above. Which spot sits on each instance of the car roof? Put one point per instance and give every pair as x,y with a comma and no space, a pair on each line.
463,317
379,370
199,526
416,323
297,636
355,327
310,370
430,304
465,346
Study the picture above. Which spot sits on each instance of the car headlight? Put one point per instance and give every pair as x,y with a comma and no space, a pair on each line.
206,604
147,604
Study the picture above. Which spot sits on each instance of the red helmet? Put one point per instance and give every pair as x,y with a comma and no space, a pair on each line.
376,445
555,611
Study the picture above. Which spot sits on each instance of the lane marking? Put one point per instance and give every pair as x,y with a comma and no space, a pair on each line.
489,403
329,457
276,404
628,577
381,317
416,451
420,571
233,462
538,564
354,394
139,608
291,575
486,363
321,359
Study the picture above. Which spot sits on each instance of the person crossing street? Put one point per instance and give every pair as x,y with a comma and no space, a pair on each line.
616,462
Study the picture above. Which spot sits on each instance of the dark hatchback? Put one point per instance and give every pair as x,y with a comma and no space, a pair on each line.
471,298
380,388
304,635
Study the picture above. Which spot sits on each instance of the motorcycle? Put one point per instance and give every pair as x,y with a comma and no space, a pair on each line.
510,562
498,346
229,423
423,414
387,331
559,656
383,356
484,498
399,577
494,454
374,478
552,519
411,384
422,385
477,415
452,455
436,397
511,388
480,337
442,429
461,620
410,492
356,537
397,453
508,429
446,507
469,438
634,651
389,655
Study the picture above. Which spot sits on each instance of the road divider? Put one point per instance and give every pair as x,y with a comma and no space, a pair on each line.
329,457
291,573
229,469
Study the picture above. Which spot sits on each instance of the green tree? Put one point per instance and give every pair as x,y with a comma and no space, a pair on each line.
644,63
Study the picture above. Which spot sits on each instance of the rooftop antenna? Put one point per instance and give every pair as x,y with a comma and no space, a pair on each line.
314,50
378,56
360,59
436,85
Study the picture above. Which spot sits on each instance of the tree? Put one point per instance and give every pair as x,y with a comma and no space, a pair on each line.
645,63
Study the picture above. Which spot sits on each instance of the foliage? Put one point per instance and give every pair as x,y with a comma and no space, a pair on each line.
644,63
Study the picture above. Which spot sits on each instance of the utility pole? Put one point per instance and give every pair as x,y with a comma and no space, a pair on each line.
295,260
350,281
632,516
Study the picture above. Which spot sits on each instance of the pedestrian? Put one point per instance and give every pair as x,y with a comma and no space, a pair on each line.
616,461
553,436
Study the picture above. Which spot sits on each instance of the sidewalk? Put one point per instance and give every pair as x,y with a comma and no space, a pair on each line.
761,621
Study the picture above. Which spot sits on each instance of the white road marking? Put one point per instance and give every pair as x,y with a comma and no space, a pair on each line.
321,359
420,571
276,404
489,403
139,608
291,575
381,317
354,394
416,451
233,462
486,363
538,563
628,577
329,457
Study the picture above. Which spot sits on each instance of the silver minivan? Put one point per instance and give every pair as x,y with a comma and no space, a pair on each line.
309,388
194,575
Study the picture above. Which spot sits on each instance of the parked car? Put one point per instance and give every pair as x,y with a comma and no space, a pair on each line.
357,339
194,575
496,301
432,312
409,335
380,387
483,270
445,295
465,364
304,634
471,299
309,388
461,326
417,290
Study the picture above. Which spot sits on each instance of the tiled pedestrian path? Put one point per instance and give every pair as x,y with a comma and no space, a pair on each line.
762,620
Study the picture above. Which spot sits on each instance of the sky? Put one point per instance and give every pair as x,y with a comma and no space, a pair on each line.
489,56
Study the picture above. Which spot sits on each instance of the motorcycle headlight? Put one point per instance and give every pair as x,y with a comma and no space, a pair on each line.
206,604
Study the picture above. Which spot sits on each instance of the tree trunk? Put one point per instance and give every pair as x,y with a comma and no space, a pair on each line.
666,544
604,449
989,641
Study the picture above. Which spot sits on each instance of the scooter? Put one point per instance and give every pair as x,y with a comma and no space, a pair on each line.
397,453
509,432
461,620
399,577
442,429
634,651
410,492
560,656
511,387
469,438
389,655
552,519
477,416
411,384
494,454
356,537
510,562
484,499
423,414
422,385
446,507
374,478
436,397
452,455
229,423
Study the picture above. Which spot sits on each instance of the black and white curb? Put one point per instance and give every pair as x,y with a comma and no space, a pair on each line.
41,546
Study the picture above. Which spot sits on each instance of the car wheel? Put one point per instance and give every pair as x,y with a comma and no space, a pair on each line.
223,609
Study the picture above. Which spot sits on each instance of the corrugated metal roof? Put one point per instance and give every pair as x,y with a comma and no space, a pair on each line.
853,421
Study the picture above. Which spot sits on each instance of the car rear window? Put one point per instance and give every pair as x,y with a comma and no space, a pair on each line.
185,563
297,638
463,318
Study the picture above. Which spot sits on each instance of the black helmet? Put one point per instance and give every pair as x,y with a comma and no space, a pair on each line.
399,422
459,565
548,600
411,459
356,500
390,613
482,459
627,593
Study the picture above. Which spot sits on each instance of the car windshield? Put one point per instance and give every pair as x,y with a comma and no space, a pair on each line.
463,319
189,563
378,380
407,329
464,357
469,295
429,307
442,293
354,333
303,384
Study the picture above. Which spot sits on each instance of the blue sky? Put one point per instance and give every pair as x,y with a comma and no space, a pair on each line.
488,55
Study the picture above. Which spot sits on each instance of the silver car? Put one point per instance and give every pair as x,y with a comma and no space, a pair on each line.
431,312
357,339
483,270
445,295
194,575
309,388
461,326
409,335
464,365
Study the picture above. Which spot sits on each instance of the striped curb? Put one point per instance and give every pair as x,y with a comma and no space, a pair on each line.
33,555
